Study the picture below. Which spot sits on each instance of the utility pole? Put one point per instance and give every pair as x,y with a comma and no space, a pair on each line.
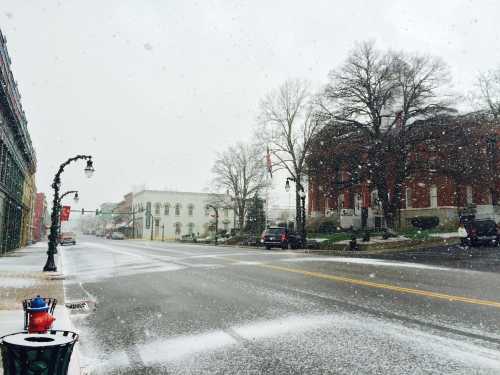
152,225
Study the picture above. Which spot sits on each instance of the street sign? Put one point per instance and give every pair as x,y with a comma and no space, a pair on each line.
65,213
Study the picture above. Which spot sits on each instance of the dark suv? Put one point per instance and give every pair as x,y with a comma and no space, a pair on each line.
281,237
481,232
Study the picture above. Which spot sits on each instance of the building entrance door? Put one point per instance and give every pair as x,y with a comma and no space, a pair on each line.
157,228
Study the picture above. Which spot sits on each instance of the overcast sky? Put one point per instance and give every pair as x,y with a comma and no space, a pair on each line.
153,89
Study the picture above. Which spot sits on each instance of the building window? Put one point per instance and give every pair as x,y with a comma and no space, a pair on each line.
190,210
226,212
157,208
190,228
341,201
167,209
470,199
434,196
177,209
226,226
148,215
177,228
408,198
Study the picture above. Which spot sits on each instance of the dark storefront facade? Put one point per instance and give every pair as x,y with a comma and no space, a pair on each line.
17,157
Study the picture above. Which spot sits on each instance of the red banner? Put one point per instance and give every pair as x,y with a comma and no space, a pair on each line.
65,213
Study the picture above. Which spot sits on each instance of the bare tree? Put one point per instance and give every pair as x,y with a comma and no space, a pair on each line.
379,96
241,171
489,92
288,125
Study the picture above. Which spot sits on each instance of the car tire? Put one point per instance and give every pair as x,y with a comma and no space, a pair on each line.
74,242
284,246
268,247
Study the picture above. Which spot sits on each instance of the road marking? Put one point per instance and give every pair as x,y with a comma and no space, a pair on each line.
371,284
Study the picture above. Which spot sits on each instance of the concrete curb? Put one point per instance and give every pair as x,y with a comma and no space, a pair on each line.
74,364
402,248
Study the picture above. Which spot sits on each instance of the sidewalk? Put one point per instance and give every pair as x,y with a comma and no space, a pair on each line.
21,277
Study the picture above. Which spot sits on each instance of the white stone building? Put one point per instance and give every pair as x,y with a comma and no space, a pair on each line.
173,214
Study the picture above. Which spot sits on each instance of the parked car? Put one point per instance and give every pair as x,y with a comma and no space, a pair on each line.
67,238
117,236
281,237
479,232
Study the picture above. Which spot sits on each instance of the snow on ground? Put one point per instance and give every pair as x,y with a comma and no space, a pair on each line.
360,340
331,339
112,263
369,262
16,282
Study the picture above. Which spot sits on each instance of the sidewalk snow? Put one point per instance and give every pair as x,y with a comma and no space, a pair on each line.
21,278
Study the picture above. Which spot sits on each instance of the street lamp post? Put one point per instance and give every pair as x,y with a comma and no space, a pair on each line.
492,150
216,210
75,199
50,265
151,222
302,195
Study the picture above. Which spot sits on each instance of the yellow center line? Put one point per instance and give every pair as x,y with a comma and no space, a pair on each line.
371,284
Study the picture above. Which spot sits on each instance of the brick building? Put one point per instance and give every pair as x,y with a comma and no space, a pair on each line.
40,217
17,161
424,194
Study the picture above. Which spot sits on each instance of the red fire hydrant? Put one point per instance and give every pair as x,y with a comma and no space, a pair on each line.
40,320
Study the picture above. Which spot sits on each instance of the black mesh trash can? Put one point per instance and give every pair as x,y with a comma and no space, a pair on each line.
37,353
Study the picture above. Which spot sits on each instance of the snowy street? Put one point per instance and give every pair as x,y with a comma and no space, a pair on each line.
175,308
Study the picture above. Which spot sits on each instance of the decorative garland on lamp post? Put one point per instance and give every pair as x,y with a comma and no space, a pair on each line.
50,265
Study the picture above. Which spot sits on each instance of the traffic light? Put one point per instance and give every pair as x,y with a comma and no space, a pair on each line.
97,212
83,211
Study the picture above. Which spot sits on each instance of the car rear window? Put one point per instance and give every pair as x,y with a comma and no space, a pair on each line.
486,226
275,231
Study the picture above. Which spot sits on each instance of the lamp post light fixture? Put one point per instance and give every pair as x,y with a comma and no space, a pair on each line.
302,195
89,169
50,265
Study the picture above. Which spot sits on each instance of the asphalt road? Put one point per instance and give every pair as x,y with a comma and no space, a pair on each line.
169,308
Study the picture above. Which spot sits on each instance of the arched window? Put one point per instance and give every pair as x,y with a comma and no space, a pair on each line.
469,195
374,201
167,209
157,208
434,196
190,210
178,227
177,209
